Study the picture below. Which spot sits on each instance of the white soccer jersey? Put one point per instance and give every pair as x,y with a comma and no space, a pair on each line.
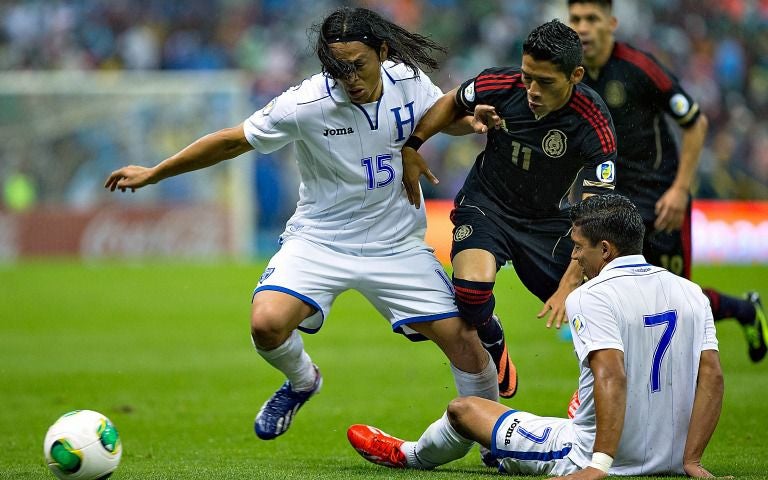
351,197
662,323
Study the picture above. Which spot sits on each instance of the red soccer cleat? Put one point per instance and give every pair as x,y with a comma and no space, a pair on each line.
573,405
376,446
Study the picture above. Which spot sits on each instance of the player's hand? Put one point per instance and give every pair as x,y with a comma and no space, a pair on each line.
131,177
670,209
485,118
414,167
588,473
695,470
555,305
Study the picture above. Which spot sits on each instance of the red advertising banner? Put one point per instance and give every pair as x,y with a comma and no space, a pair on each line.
723,231
112,232
730,232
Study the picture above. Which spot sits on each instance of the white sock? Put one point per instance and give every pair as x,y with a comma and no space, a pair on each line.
439,444
484,384
291,359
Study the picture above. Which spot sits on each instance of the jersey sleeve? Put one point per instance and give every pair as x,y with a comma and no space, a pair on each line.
465,95
710,337
275,125
598,148
679,105
427,93
487,87
593,324
666,92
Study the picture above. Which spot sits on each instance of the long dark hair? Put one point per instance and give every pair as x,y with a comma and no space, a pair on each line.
363,25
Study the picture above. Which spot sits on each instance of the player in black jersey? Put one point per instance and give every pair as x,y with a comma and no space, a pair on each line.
547,128
654,175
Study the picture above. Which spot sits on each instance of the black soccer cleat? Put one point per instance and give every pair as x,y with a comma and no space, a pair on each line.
756,332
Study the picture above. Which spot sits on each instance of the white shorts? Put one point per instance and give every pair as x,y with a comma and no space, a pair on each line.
532,445
406,288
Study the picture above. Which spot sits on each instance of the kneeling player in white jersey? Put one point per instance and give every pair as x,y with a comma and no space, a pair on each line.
651,386
354,227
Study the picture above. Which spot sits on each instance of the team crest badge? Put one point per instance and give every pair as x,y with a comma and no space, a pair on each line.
469,92
615,94
554,143
462,233
266,274
606,172
268,107
579,324
679,104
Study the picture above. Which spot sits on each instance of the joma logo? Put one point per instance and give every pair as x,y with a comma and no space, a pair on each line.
337,131
510,430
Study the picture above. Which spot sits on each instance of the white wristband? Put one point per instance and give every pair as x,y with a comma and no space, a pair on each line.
601,461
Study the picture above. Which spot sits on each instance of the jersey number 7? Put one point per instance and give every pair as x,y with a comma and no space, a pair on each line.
669,320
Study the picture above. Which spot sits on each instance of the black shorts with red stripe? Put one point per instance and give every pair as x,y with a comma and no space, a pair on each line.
539,249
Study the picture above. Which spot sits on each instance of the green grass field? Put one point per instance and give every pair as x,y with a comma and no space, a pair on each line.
164,351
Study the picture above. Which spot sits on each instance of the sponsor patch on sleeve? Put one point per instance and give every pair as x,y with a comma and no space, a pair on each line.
679,105
268,107
606,172
469,92
579,324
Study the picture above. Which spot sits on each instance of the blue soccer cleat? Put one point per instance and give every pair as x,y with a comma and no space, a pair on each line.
277,413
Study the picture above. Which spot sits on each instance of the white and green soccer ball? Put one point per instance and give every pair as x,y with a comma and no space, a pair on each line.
82,445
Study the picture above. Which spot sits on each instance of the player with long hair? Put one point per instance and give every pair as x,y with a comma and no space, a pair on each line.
353,227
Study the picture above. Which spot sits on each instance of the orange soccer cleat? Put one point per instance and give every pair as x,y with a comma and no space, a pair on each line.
504,366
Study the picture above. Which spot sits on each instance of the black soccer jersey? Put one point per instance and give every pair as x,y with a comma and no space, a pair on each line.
529,166
638,92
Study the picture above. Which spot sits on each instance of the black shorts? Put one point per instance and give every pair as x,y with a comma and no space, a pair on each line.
670,250
539,249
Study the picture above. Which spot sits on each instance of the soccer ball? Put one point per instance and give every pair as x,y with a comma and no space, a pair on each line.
84,445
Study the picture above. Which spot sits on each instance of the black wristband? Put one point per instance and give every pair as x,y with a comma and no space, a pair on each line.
414,142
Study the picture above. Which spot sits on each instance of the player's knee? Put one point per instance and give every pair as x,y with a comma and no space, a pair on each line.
458,410
268,329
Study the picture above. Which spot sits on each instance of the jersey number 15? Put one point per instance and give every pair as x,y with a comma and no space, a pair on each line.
379,175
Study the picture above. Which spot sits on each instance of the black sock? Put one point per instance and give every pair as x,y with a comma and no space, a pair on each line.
726,306
490,332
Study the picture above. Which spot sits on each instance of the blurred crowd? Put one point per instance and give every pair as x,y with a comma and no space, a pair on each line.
718,48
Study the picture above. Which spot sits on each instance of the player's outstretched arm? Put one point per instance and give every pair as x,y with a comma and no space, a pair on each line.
204,152
443,115
707,404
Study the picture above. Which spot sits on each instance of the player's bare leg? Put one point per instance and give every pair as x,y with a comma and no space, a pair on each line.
458,341
274,319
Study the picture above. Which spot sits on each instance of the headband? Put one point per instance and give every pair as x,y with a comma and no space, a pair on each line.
349,37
